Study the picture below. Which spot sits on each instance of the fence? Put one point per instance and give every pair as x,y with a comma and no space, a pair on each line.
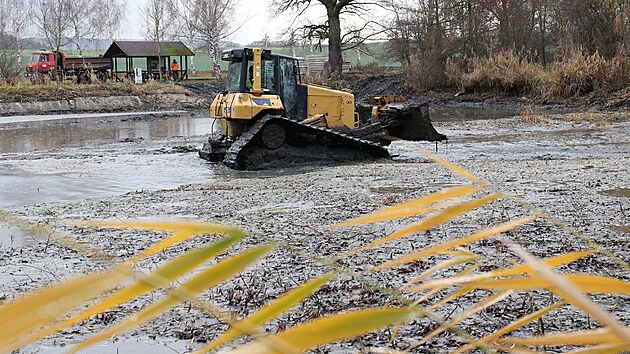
314,64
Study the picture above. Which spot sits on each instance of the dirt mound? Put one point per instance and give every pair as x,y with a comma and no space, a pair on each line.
207,89
378,86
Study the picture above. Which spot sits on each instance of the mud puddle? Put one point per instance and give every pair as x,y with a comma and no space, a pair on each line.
130,345
49,132
510,139
617,192
460,112
48,117
78,179
11,237
50,158
75,160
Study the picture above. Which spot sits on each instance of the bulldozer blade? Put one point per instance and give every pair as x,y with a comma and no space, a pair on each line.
412,122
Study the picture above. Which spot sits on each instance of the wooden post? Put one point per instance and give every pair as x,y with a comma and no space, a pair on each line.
181,68
186,67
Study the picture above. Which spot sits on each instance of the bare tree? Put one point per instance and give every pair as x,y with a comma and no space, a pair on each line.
7,60
590,25
92,19
80,13
16,20
158,19
108,17
72,21
5,44
208,22
332,29
54,20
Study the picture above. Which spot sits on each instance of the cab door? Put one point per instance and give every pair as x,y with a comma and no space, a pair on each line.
287,71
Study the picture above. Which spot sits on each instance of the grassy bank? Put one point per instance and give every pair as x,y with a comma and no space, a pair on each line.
509,74
24,90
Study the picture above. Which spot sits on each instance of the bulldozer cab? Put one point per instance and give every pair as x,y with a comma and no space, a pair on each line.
276,74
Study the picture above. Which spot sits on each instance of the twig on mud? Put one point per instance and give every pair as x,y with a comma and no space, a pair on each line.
46,271
541,331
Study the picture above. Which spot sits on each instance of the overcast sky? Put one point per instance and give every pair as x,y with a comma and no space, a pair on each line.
258,24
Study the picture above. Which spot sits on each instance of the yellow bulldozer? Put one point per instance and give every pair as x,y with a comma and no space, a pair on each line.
270,119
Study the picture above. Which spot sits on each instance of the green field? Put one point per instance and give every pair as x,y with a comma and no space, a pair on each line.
203,62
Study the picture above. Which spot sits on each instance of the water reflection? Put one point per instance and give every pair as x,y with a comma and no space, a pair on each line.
80,178
11,236
74,132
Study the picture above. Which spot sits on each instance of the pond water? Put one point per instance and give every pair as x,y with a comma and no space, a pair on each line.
20,134
458,112
27,181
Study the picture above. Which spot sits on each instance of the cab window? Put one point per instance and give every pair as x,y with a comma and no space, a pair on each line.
268,71
234,76
288,84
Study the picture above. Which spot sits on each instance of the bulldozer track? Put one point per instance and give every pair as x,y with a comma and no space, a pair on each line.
296,144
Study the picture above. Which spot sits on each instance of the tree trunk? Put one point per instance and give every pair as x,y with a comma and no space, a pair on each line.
217,65
335,58
543,30
471,28
157,37
504,25
216,61
437,34
19,54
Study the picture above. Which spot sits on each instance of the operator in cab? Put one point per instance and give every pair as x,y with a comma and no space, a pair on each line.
249,83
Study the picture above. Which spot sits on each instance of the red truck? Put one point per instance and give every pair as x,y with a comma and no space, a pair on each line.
56,64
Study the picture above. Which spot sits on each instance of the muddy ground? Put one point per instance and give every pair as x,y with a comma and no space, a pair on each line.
53,91
122,97
395,84
573,166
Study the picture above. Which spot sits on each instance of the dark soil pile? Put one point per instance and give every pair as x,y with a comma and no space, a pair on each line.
383,85
55,92
396,84
207,89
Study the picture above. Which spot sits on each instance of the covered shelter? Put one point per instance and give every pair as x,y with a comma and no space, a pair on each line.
158,57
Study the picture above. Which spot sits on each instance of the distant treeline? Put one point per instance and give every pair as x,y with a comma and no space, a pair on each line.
443,42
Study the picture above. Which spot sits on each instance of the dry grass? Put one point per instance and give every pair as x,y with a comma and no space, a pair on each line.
580,74
596,118
206,74
511,73
505,72
529,115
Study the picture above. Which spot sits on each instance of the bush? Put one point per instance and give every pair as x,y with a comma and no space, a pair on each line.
509,72
8,67
580,74
427,71
506,72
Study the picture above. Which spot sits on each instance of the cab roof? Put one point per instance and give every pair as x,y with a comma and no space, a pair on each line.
238,54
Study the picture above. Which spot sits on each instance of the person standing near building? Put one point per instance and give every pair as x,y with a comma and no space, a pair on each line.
175,70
